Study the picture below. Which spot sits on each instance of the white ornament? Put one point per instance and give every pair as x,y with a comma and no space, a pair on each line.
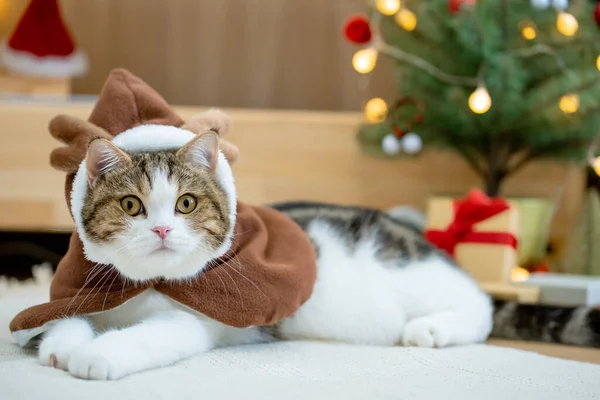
412,143
560,4
540,4
390,145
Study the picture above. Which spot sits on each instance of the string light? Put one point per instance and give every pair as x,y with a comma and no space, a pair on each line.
569,103
529,33
364,60
566,24
480,101
528,30
376,110
596,165
3,7
388,7
406,19
519,274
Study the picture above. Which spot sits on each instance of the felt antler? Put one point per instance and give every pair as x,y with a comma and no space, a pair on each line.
76,134
217,121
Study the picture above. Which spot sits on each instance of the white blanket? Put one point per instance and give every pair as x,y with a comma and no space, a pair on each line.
304,371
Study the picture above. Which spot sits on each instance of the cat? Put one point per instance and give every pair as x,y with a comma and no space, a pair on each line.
152,213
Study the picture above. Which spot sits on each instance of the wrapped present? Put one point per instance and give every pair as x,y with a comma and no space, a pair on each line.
479,232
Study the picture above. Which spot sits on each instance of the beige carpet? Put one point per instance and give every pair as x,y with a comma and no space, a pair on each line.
303,371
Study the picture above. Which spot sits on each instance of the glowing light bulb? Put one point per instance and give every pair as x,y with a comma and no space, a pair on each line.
528,29
480,101
3,7
596,165
598,63
406,19
529,32
569,103
519,274
376,110
364,60
388,7
566,24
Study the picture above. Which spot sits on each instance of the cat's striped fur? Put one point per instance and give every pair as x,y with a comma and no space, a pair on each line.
401,240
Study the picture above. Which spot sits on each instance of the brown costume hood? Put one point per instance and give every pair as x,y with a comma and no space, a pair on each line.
267,274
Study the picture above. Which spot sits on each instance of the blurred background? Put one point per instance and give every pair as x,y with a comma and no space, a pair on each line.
276,54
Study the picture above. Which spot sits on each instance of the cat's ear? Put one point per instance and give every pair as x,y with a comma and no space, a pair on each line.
103,156
202,151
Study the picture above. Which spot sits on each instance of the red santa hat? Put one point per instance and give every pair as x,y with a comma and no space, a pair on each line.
41,45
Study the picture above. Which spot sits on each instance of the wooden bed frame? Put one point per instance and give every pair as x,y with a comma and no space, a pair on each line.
285,155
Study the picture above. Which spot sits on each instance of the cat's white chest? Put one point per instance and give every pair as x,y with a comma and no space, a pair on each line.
139,308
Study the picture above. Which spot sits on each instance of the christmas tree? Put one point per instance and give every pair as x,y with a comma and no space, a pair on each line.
500,82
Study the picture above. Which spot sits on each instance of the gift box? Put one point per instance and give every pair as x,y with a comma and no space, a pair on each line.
479,232
566,290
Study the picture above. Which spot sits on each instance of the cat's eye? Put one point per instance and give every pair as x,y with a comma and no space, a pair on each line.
132,205
186,204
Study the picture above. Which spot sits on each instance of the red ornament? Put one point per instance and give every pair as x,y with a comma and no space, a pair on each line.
597,14
357,30
402,129
455,5
398,132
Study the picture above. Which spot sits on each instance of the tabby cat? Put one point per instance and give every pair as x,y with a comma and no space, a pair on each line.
153,213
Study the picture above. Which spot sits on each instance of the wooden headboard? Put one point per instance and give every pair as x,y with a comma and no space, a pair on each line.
285,155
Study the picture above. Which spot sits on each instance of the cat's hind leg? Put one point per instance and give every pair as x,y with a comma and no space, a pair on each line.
446,307
447,328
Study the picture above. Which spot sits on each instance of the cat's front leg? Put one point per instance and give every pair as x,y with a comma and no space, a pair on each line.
62,339
164,339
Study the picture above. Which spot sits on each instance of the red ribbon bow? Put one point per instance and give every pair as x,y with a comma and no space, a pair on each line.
476,207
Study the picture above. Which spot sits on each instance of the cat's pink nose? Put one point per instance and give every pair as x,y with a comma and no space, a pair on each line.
162,231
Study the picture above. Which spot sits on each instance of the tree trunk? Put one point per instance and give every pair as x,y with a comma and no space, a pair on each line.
493,182
495,173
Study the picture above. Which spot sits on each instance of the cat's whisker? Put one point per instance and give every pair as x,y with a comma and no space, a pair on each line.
124,283
92,268
236,286
88,280
99,285
222,282
246,278
108,290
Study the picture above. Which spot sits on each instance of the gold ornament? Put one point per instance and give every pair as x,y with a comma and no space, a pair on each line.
364,60
376,110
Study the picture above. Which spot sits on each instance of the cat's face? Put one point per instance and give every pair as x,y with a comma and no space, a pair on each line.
155,214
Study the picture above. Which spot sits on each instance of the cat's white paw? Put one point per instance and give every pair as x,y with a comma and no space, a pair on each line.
426,332
96,362
62,340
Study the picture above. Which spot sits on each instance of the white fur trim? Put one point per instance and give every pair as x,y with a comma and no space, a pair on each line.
149,138
23,62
